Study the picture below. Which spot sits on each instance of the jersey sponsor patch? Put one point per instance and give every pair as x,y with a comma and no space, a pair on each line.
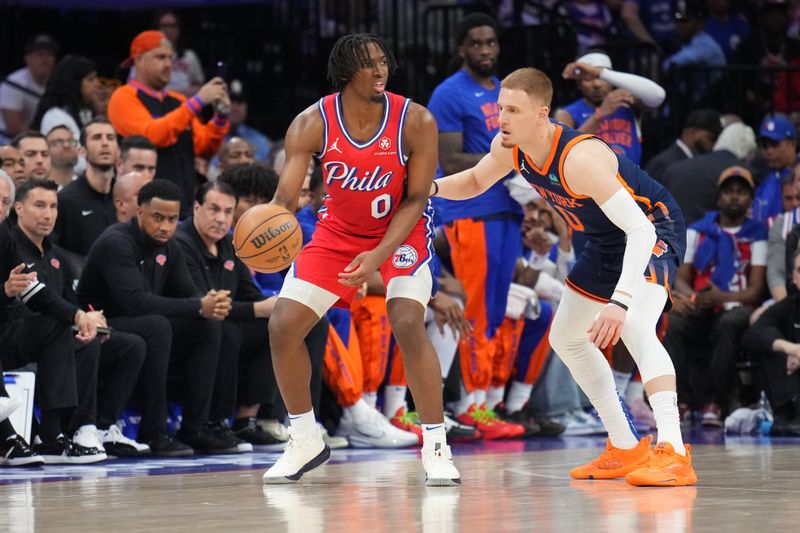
405,257
161,259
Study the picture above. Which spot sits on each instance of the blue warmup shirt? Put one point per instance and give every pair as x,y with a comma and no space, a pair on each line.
620,130
460,104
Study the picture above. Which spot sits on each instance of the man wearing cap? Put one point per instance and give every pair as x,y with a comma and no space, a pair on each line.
21,90
716,289
258,141
700,132
172,122
778,141
606,111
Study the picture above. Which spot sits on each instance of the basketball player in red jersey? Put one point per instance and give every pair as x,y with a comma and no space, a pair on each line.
378,155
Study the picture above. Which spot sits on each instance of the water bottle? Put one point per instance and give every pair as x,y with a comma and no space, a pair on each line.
764,411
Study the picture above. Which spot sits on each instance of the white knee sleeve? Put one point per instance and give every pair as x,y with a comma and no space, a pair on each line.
639,333
570,340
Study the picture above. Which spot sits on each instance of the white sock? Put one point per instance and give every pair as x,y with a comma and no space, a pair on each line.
359,410
517,396
665,410
494,396
480,397
304,423
609,407
635,390
462,406
433,434
621,380
394,397
371,398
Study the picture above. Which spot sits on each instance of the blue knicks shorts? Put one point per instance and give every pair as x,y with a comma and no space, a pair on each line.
596,273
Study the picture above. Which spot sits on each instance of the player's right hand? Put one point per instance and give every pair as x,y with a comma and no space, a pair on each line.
607,327
17,282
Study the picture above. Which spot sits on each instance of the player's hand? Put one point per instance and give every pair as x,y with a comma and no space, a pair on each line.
360,269
17,282
446,310
223,305
792,364
614,100
710,298
581,71
536,239
87,329
362,291
607,327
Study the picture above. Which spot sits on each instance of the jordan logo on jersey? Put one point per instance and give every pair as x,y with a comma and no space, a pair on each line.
350,178
522,167
334,147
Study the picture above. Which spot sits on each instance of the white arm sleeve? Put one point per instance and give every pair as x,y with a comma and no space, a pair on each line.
648,91
640,237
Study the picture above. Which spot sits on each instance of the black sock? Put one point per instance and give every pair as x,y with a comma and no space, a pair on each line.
3,391
6,430
50,426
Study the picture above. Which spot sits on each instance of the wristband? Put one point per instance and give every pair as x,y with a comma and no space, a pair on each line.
436,188
618,304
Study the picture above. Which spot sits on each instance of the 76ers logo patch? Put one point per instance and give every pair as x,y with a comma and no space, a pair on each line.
404,257
161,259
385,143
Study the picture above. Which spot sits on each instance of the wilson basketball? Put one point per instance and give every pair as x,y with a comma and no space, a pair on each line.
267,238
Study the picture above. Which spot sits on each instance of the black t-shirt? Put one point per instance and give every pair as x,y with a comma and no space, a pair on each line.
83,214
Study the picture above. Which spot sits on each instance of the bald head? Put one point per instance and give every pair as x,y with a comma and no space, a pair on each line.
235,151
126,189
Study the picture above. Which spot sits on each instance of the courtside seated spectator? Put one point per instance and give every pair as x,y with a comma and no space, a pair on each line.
35,153
63,155
137,154
125,193
12,163
85,206
145,107
721,281
253,184
136,273
700,132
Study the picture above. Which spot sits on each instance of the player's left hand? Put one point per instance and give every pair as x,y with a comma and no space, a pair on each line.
607,327
360,269
710,298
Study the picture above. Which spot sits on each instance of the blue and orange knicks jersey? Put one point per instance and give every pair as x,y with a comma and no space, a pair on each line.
364,181
581,212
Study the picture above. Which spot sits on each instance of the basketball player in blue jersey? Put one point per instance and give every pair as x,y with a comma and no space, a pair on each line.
608,108
620,283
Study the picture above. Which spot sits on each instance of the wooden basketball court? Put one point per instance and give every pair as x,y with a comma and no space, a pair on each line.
745,485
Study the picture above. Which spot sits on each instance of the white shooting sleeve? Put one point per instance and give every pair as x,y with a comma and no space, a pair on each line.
648,91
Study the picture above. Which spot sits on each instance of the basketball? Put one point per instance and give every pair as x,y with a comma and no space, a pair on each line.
267,238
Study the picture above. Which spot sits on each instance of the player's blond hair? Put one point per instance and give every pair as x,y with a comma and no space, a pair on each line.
532,81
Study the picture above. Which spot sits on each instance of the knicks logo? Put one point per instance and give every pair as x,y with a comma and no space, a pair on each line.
404,257
660,248
349,177
260,240
161,259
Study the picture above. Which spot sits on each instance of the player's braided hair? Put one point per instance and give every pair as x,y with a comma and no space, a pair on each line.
350,53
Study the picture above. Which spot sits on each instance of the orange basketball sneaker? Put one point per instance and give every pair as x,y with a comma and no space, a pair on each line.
615,462
666,468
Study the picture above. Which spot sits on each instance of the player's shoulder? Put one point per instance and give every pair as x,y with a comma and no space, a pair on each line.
419,116
307,126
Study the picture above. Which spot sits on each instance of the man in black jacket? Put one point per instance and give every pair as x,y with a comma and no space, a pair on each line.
775,341
137,274
46,338
206,241
117,357
700,132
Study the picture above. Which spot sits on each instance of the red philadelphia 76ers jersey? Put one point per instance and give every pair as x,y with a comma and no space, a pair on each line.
364,182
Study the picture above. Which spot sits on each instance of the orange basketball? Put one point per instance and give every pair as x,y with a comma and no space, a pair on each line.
267,238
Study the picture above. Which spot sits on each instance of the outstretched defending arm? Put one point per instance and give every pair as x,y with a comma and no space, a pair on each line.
471,182
590,169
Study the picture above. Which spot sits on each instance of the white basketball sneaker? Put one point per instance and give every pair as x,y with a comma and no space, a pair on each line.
439,468
373,430
300,456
